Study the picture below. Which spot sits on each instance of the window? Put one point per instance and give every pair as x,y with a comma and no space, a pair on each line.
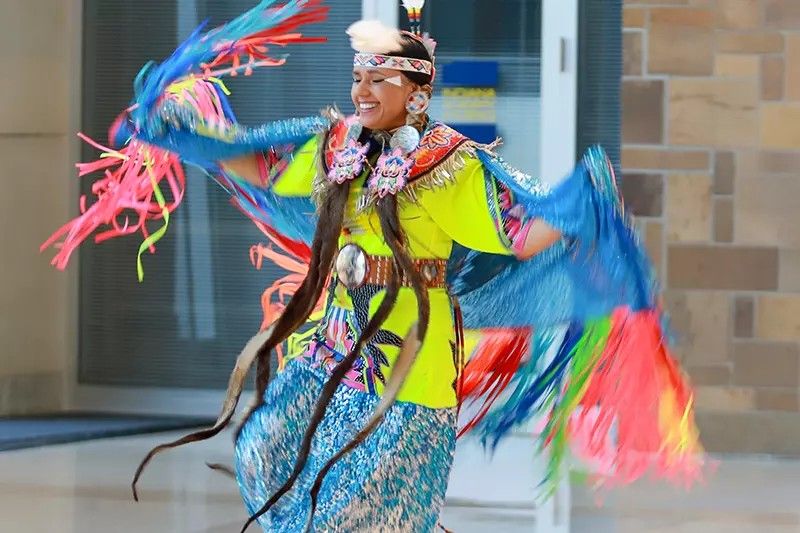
199,302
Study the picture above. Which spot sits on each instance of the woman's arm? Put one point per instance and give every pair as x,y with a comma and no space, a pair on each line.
541,236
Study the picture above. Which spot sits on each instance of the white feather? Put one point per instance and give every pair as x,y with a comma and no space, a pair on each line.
374,37
413,4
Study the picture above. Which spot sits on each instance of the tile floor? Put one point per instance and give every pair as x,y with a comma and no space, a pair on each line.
84,488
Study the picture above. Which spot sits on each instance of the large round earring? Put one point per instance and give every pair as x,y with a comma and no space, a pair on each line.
417,102
416,106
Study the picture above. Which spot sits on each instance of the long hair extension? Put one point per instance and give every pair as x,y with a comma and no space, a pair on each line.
337,375
390,225
297,311
324,251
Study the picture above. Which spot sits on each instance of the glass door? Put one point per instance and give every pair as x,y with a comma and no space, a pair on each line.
505,72
489,72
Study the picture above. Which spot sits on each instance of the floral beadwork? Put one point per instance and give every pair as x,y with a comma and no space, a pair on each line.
348,163
391,173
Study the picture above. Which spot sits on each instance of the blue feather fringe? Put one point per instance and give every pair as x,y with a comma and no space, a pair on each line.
598,266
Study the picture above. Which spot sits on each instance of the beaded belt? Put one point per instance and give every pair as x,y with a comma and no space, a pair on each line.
355,268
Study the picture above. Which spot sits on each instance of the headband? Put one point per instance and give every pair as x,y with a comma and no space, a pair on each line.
406,64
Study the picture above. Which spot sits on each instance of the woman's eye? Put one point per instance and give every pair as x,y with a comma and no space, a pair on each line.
377,81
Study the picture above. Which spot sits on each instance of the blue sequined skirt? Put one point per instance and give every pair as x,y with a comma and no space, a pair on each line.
395,481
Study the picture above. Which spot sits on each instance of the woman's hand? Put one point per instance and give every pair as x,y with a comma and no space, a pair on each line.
540,237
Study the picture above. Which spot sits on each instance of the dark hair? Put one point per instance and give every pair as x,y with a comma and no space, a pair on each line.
414,49
403,269
324,250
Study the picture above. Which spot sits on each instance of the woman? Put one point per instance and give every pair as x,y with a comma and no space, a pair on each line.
357,432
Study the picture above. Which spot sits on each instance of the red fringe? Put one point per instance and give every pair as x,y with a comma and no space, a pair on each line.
491,368
254,47
275,297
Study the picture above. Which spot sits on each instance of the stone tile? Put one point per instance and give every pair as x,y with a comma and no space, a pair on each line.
723,220
756,42
38,185
756,432
716,112
632,53
701,320
766,211
656,3
772,81
738,14
736,65
780,126
790,271
722,268
724,172
766,364
660,159
743,317
725,398
654,242
635,3
681,42
746,165
778,162
777,400
716,375
643,194
643,112
778,317
793,67
688,208
35,39
782,14
633,17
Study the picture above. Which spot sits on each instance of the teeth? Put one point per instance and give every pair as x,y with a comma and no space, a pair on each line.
367,106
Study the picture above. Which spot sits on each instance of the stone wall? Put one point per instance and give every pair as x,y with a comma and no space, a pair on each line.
711,160
38,117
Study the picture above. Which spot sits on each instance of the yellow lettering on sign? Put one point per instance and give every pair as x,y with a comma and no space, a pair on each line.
472,92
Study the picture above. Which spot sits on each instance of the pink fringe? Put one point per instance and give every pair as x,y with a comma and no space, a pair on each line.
124,196
620,426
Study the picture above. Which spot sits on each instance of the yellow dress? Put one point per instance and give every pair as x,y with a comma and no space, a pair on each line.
455,211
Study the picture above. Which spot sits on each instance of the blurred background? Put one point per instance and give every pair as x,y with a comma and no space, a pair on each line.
696,101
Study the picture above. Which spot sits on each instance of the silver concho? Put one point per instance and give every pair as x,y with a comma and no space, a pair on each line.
354,131
351,266
429,272
406,138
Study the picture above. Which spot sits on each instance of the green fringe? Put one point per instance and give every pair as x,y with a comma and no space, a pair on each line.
584,355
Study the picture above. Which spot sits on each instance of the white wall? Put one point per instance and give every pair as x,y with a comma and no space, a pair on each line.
39,47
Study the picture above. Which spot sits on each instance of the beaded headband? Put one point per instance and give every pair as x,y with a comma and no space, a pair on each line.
407,64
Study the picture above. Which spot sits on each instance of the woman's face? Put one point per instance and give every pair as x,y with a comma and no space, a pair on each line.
380,96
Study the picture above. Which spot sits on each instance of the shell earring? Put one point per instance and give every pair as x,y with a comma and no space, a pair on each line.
416,106
418,103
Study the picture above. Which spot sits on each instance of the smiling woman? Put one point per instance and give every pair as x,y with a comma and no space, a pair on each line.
411,238
380,96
